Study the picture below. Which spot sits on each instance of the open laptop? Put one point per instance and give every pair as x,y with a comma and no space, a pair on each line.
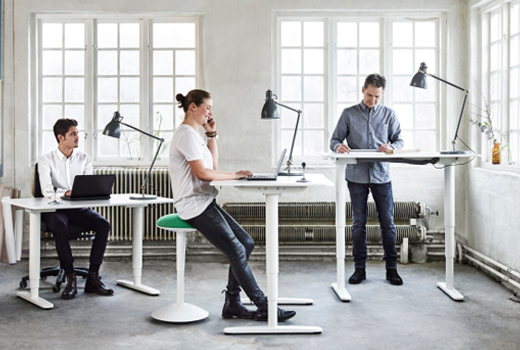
270,176
91,187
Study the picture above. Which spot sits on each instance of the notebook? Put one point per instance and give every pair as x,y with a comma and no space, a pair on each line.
89,187
270,176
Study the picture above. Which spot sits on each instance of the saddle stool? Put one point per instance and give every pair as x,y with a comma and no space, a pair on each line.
180,312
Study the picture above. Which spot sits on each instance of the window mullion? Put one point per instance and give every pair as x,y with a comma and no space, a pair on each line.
91,119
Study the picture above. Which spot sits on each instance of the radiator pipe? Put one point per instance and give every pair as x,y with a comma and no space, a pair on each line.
494,262
494,272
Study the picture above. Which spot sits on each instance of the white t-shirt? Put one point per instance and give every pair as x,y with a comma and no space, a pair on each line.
191,196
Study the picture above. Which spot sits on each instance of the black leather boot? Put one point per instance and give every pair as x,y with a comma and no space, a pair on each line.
95,285
233,307
358,276
261,313
71,289
393,277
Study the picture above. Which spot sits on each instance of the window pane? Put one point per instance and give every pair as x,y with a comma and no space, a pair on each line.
369,34
313,88
313,61
74,62
49,142
52,63
50,114
427,56
130,89
107,146
495,26
425,34
131,114
163,62
291,89
291,33
347,62
163,90
129,35
402,34
107,63
129,62
368,61
347,89
104,116
408,141
313,142
129,144
163,117
76,112
425,116
185,62
287,117
513,89
291,61
313,115
107,90
107,35
51,90
74,90
184,85
347,35
513,120
426,95
287,136
52,35
514,51
74,35
403,62
495,56
170,35
402,89
425,141
404,113
312,34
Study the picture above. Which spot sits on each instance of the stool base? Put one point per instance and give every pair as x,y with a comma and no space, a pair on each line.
180,313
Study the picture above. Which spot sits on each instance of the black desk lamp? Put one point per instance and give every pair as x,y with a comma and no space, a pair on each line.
270,111
114,129
419,80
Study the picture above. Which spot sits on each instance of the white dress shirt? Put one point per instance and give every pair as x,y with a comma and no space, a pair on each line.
55,169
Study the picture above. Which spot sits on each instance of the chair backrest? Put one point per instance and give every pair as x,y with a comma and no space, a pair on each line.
37,188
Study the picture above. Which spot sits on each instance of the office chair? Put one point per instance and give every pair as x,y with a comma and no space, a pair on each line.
75,232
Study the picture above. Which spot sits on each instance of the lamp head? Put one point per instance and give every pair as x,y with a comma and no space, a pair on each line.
419,79
270,109
114,128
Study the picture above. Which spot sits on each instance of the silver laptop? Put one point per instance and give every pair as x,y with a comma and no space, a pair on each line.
270,176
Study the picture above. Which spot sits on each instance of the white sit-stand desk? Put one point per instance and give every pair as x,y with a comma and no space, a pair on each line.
272,190
447,161
36,206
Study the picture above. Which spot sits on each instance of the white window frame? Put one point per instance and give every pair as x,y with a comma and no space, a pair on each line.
330,100
91,118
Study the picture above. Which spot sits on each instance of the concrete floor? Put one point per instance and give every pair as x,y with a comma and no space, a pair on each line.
416,315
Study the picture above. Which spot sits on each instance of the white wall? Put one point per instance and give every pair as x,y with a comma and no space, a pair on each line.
237,54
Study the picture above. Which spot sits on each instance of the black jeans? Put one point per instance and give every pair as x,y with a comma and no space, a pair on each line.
231,239
85,219
384,200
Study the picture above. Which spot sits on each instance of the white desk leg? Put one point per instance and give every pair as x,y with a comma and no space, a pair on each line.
339,286
137,255
180,312
449,223
9,234
34,264
271,238
18,232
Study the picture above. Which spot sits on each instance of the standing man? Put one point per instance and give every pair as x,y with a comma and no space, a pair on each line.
369,125
57,170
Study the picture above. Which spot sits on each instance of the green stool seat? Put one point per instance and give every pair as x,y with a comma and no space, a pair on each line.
173,221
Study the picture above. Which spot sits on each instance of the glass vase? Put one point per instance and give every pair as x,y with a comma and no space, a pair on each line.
495,153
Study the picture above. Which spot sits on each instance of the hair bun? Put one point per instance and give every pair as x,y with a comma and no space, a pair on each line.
180,97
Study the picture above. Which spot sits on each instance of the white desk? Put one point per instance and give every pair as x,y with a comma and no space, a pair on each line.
36,206
272,190
443,160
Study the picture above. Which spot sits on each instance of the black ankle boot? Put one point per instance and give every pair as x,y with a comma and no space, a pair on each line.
393,277
95,285
233,307
71,289
283,315
358,276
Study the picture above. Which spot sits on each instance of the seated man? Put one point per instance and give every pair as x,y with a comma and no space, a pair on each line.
57,170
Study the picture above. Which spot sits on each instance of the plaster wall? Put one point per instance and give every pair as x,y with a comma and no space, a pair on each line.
237,54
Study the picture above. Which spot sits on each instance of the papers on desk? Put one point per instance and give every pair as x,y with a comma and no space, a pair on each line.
404,150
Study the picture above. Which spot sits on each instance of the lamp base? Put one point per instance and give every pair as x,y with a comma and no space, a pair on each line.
284,173
455,152
143,197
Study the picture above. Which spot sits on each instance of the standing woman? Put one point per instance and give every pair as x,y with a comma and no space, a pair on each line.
193,164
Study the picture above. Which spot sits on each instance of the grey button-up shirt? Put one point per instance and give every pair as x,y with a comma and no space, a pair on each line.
367,129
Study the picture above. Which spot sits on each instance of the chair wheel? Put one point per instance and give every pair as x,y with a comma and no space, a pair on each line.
23,284
56,288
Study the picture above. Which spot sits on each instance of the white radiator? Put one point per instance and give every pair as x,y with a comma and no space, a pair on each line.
129,180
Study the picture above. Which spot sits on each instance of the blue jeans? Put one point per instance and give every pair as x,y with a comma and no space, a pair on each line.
231,239
383,198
